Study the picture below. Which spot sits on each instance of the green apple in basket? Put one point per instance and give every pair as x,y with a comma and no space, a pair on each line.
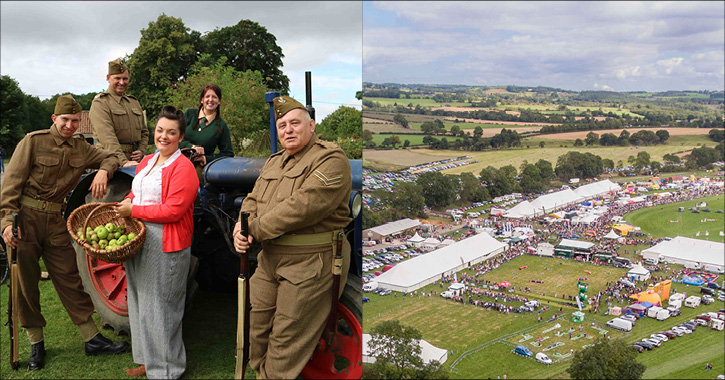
131,236
102,233
123,239
120,228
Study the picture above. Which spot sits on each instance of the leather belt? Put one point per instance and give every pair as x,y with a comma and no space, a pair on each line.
41,205
306,239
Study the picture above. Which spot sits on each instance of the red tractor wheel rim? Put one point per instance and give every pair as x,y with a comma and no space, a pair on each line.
109,282
322,364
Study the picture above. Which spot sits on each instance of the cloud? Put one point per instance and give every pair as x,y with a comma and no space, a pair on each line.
561,44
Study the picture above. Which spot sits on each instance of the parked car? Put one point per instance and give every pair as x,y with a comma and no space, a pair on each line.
682,328
646,345
638,347
674,311
669,333
708,291
630,317
677,331
657,343
447,294
662,337
523,351
542,358
385,292
701,322
705,317
707,299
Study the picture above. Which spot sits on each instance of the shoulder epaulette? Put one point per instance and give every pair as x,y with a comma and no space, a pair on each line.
131,96
39,132
277,154
100,94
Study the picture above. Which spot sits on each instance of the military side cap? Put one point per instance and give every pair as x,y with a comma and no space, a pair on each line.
284,104
116,67
66,105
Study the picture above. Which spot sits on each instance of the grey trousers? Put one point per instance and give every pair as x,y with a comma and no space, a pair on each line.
156,283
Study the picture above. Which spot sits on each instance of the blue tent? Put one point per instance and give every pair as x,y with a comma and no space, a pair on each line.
647,304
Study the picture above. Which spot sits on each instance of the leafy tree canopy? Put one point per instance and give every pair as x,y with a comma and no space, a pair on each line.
606,359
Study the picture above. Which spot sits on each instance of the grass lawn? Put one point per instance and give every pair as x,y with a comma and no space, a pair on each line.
209,338
480,341
658,221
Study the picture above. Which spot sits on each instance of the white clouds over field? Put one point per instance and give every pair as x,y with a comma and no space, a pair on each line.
622,46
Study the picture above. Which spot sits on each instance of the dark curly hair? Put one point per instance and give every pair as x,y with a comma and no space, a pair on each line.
171,113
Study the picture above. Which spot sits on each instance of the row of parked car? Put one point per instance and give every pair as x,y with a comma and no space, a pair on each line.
655,340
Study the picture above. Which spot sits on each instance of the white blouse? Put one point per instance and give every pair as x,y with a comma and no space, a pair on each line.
146,184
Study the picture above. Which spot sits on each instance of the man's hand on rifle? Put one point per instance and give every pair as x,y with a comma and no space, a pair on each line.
136,155
241,243
10,240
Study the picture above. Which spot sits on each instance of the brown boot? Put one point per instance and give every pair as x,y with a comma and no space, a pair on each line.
136,372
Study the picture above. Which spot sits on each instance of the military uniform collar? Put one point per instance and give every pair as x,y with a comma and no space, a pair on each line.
115,96
59,140
300,154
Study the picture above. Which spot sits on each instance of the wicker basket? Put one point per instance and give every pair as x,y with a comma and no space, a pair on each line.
98,213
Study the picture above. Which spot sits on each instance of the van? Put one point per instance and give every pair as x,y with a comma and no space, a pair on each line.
457,286
708,291
651,261
542,358
652,311
523,351
620,324
663,314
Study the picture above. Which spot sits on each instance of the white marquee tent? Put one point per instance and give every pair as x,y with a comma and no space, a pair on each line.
611,235
639,273
428,352
420,271
593,190
692,253
544,204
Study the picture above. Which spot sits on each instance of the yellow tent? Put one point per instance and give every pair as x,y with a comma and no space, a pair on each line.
648,296
623,228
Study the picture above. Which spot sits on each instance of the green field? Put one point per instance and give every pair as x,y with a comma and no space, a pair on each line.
415,101
554,109
658,221
480,340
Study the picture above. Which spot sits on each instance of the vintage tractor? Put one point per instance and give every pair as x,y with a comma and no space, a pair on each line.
215,263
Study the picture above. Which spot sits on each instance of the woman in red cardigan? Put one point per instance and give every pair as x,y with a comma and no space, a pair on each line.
162,195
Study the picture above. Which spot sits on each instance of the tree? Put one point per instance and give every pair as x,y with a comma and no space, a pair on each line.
642,160
578,142
531,181
608,163
623,139
606,359
406,143
592,138
164,56
12,104
400,119
396,349
455,130
406,199
438,190
671,158
545,170
249,46
243,106
541,144
471,189
663,135
343,122
367,135
608,139
477,133
716,135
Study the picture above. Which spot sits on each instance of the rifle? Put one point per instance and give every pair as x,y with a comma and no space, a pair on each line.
13,318
243,305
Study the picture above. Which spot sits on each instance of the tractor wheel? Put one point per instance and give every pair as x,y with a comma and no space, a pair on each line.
343,360
106,284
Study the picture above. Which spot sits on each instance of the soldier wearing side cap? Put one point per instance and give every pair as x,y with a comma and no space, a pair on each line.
44,169
119,123
297,207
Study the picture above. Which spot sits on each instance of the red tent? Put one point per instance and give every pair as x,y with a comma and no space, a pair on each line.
504,284
387,267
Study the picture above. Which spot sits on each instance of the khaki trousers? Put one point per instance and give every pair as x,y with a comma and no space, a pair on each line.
290,299
44,234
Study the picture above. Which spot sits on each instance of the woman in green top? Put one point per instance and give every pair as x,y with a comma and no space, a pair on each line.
205,129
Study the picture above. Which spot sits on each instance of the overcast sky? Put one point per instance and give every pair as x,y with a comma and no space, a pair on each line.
56,47
619,46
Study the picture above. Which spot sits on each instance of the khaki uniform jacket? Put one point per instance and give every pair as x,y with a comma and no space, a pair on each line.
118,122
301,194
45,166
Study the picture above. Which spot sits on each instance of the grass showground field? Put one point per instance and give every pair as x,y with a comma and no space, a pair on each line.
479,341
666,221
394,159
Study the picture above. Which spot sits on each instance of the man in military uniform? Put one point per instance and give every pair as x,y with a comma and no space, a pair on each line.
297,207
118,121
45,167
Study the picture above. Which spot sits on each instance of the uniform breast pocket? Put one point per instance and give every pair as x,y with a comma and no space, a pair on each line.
137,116
120,119
289,182
77,165
48,168
268,182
